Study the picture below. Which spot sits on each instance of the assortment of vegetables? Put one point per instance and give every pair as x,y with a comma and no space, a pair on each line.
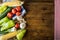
5,12
13,3
12,22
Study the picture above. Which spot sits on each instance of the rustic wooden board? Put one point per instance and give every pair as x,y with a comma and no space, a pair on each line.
39,19
39,0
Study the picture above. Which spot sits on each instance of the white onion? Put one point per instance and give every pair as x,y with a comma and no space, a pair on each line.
22,25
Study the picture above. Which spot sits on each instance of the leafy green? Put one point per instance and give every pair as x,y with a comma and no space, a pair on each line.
7,25
6,19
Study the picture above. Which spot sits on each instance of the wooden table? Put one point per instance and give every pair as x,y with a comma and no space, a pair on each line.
40,20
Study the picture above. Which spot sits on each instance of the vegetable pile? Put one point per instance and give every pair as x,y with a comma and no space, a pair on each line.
12,22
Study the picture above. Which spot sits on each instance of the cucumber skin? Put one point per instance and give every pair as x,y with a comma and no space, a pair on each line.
5,13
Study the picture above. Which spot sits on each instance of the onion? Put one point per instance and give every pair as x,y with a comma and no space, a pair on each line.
22,25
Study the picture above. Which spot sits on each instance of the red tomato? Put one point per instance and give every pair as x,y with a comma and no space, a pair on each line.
14,11
18,14
18,8
9,15
17,25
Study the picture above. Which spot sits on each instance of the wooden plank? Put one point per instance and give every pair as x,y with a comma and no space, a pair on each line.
39,21
38,1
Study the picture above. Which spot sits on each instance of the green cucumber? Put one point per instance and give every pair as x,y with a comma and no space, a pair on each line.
5,13
2,9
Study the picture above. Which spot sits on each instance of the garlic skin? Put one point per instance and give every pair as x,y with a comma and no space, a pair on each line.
22,25
22,22
20,19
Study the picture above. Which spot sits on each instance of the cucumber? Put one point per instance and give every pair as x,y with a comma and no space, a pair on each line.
5,13
2,9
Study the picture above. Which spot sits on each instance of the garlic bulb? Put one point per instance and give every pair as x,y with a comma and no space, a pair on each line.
20,19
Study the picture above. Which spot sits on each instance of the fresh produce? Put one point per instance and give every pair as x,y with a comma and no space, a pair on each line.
14,3
21,19
11,20
2,9
17,25
9,15
14,11
3,32
18,8
20,35
6,19
5,13
22,25
7,25
18,14
9,35
11,29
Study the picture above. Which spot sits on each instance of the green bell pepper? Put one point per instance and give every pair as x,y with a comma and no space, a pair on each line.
7,25
21,34
6,19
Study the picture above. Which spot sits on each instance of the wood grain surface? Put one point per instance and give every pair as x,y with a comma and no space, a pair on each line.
40,20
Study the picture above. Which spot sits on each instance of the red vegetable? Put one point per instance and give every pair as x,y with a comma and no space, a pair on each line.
17,25
14,11
9,15
18,14
18,8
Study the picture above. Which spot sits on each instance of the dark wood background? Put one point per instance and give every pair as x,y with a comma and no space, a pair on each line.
40,19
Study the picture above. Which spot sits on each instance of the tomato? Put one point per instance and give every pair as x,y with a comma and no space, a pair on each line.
14,11
18,14
18,8
17,25
9,15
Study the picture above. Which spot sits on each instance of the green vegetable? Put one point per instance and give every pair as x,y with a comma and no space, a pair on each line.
6,19
7,25
4,32
5,12
3,8
21,34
